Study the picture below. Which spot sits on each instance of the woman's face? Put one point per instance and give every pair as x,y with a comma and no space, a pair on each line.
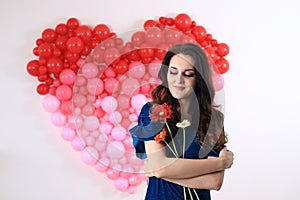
181,76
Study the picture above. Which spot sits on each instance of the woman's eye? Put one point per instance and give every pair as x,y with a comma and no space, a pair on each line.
172,72
188,74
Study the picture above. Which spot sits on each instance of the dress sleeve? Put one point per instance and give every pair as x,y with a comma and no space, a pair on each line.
145,130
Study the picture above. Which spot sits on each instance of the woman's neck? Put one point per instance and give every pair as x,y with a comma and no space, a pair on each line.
185,108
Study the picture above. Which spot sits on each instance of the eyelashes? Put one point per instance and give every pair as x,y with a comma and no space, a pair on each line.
185,74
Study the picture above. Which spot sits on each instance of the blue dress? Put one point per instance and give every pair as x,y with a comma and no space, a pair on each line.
160,189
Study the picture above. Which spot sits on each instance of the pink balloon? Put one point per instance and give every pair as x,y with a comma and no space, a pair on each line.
145,87
67,76
79,100
51,103
137,101
130,86
134,180
63,92
58,119
89,156
118,133
131,190
123,101
218,81
95,86
105,127
136,70
109,72
77,144
80,81
128,143
89,70
112,174
66,107
91,123
121,184
133,117
109,104
90,141
100,167
154,68
88,110
83,90
115,117
68,133
111,85
115,150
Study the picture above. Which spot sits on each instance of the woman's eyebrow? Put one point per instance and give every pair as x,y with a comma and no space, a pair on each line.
184,70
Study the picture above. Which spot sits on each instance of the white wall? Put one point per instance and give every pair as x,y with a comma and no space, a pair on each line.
262,96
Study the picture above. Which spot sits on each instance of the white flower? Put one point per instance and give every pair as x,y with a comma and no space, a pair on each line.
185,123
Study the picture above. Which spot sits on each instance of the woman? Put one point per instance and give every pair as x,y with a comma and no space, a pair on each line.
188,162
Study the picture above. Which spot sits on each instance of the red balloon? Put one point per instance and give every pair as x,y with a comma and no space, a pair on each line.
199,32
221,66
211,53
61,42
133,55
121,67
54,65
33,67
61,29
162,20
98,55
150,23
188,38
161,50
101,32
153,36
43,69
49,35
72,23
222,49
172,36
109,43
138,38
42,77
45,50
85,33
42,89
111,55
56,52
146,52
170,21
72,57
75,45
39,41
183,22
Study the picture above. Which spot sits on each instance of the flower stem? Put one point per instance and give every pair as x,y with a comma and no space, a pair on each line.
170,148
190,193
196,194
171,137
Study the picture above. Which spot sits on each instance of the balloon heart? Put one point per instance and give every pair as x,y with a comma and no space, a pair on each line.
95,84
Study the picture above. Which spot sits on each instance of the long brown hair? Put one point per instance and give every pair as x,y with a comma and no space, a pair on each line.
210,131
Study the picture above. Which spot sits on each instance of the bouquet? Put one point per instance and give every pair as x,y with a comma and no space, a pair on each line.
162,113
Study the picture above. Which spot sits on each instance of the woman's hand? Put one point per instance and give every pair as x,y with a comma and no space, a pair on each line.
227,156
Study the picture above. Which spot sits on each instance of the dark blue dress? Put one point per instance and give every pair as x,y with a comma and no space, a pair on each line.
160,189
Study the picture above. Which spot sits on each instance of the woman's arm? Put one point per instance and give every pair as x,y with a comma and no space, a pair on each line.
212,181
157,164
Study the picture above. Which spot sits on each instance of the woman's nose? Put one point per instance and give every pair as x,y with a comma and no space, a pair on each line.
179,78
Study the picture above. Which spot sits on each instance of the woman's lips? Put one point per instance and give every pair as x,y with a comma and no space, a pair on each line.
177,87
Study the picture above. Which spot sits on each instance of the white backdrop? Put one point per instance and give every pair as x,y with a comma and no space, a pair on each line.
261,88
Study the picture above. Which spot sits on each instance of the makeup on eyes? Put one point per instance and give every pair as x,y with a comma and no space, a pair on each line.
186,73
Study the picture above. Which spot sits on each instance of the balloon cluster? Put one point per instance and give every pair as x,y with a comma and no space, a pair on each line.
95,84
